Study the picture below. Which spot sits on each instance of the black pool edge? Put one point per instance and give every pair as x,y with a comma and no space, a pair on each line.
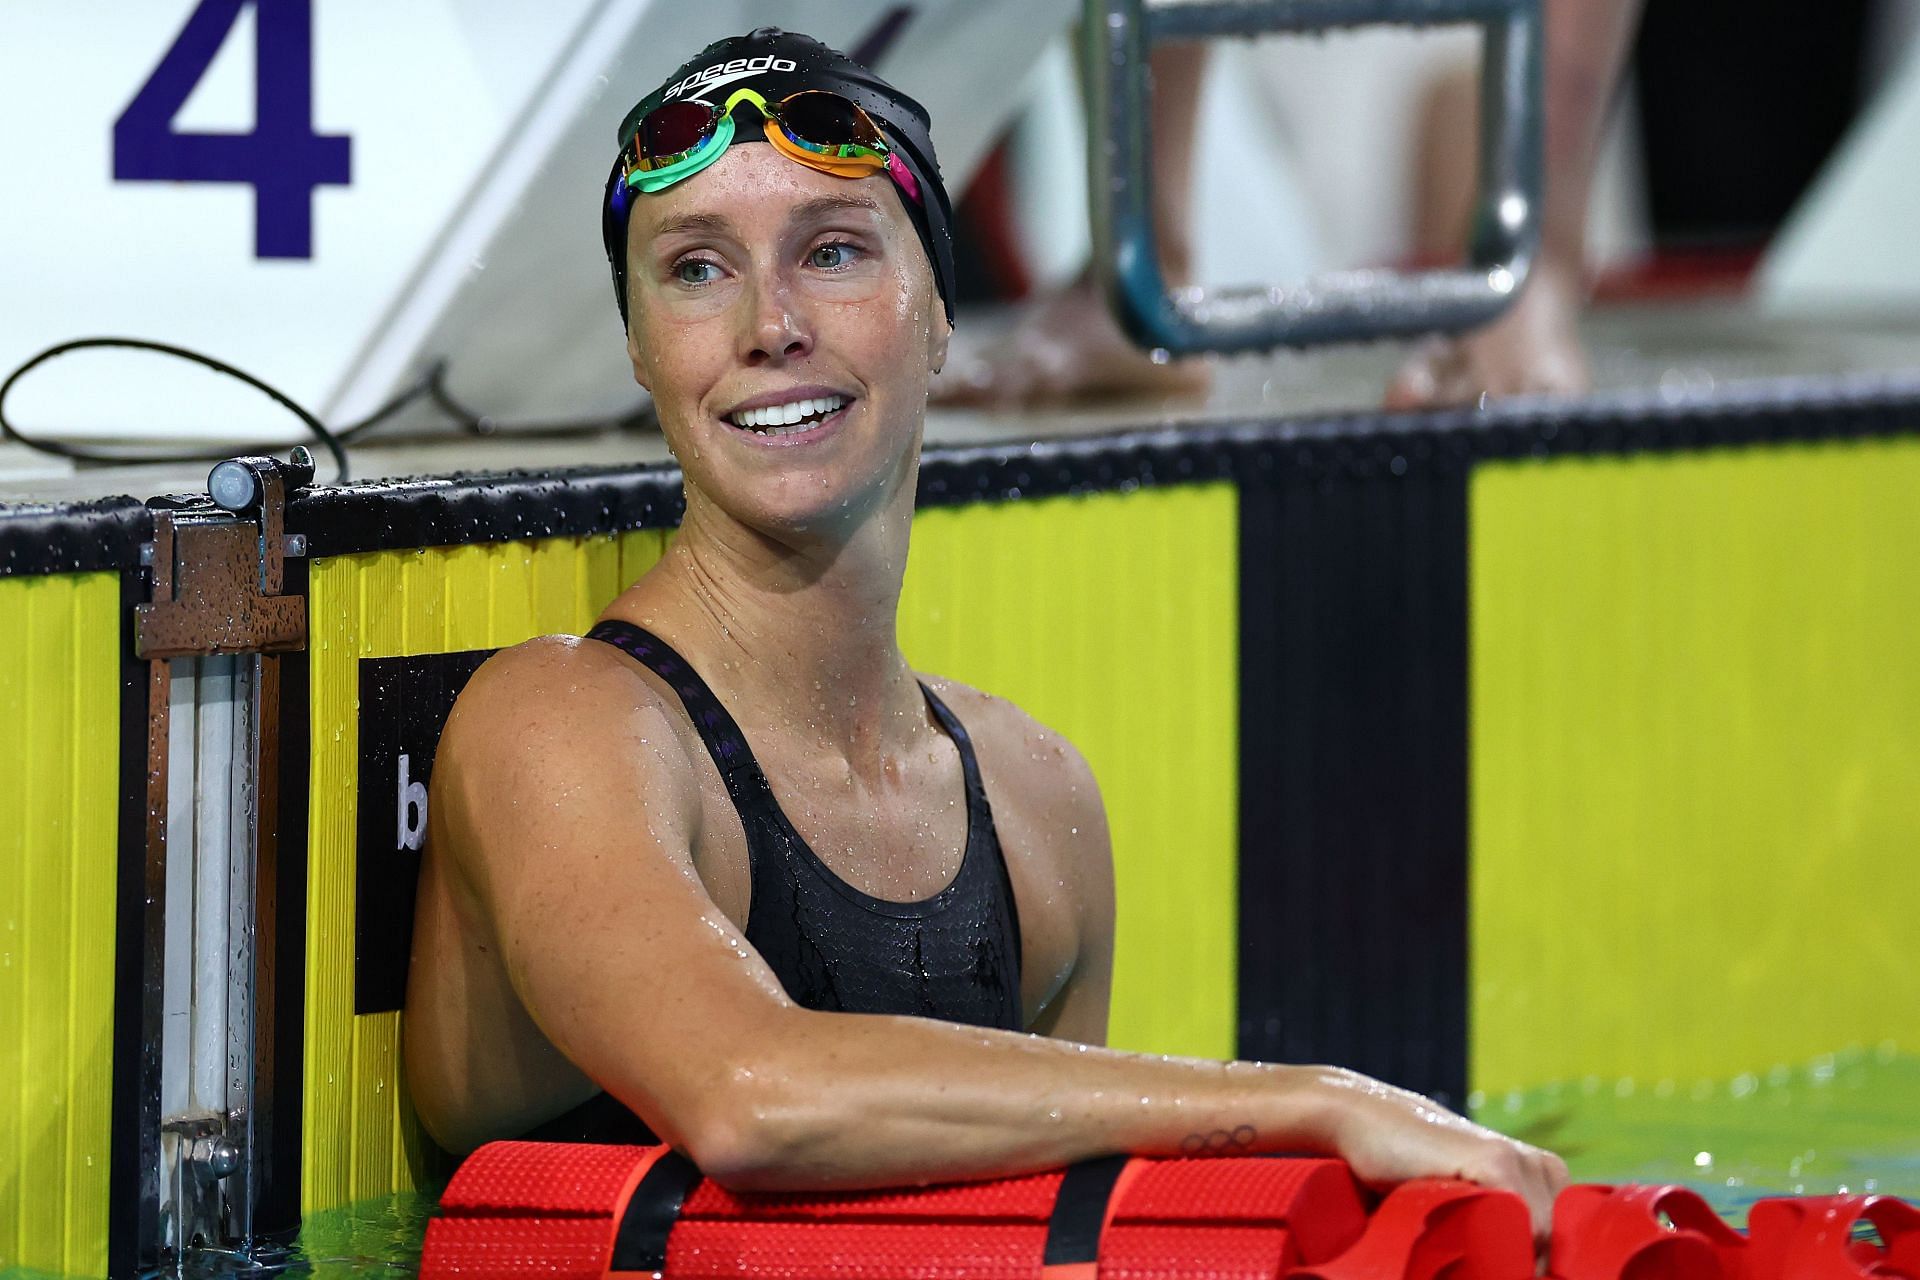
496,506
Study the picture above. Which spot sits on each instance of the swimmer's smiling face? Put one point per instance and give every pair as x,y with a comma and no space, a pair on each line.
760,292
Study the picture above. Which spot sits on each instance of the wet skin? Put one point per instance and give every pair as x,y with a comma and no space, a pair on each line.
584,894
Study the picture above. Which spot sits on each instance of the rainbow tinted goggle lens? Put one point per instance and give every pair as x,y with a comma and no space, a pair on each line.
814,127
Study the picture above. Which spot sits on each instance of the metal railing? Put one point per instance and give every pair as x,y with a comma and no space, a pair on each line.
1343,307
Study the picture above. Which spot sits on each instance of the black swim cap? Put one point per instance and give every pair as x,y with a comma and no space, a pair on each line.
776,63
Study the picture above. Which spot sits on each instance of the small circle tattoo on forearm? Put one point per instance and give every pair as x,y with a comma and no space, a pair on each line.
1220,1142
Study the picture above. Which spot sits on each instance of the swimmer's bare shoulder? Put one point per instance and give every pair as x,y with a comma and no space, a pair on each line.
562,789
1053,832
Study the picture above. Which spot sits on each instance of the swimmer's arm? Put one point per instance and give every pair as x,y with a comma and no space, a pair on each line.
627,966
1079,1010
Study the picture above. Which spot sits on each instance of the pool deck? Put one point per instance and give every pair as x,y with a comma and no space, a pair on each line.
1689,350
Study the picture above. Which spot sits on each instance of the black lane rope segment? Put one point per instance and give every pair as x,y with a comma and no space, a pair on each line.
641,1243
1080,1211
1073,1229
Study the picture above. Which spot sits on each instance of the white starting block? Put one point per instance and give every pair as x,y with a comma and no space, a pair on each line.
336,196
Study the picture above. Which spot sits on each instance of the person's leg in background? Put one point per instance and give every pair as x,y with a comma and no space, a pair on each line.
1067,347
1535,347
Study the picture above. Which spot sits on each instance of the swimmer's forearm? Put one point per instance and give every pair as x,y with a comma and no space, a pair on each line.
873,1101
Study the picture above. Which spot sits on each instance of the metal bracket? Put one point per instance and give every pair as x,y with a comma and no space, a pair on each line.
207,1157
218,578
1350,306
217,582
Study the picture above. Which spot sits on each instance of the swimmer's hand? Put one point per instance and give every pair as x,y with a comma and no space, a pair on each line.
1390,1136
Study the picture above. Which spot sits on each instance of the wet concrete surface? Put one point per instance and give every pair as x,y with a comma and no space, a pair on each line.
1678,349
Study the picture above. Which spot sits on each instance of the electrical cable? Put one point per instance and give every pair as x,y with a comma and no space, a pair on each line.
431,385
395,403
479,424
79,454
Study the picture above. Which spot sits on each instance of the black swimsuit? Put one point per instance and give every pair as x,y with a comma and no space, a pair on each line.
954,956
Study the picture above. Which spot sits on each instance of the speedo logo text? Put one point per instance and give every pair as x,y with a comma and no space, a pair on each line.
723,72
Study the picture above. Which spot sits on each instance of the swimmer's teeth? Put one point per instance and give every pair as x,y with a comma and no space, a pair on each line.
774,418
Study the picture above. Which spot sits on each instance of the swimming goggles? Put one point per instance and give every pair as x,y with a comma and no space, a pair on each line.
814,127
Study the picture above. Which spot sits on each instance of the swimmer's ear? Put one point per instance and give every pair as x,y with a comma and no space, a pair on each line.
640,374
939,334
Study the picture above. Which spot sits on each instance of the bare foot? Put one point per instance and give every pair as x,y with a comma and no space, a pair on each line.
1066,347
1534,349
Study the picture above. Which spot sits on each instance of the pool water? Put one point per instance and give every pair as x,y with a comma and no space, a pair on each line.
1847,1122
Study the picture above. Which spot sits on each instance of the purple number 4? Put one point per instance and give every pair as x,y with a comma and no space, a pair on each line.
283,159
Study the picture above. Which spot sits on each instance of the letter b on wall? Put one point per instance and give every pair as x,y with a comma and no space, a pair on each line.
403,705
412,804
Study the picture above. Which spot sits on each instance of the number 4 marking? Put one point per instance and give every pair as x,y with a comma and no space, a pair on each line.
283,159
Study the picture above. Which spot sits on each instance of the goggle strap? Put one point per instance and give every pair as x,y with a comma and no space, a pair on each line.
903,177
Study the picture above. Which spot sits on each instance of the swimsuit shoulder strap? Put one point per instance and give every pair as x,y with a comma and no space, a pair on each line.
746,784
969,765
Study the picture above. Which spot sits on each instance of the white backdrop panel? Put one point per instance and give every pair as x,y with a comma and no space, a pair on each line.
479,135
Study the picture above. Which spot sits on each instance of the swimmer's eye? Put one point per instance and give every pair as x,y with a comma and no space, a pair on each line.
835,255
695,271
